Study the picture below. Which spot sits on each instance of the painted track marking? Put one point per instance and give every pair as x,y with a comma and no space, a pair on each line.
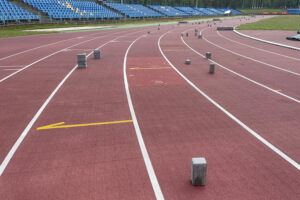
12,74
278,54
267,64
36,116
28,50
266,41
252,132
61,124
149,167
242,76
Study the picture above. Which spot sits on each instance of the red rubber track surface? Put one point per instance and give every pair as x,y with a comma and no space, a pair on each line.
274,36
176,122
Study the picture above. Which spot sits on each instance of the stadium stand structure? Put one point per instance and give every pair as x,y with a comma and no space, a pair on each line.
73,9
190,11
215,11
134,10
13,13
205,11
294,11
168,11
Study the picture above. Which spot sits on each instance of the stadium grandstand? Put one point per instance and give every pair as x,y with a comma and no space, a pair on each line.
12,13
91,10
134,10
71,9
190,11
168,11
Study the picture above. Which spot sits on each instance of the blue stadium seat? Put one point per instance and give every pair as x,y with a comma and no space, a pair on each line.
134,10
73,9
12,13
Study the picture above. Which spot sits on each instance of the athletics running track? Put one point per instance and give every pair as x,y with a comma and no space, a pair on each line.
128,125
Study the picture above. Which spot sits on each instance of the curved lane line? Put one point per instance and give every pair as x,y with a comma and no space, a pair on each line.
150,170
37,61
273,66
242,76
278,54
45,45
37,115
266,41
252,132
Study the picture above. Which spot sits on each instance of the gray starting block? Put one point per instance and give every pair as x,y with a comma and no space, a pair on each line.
81,60
188,61
198,174
196,33
158,28
148,32
199,36
208,55
181,34
97,54
212,68
187,34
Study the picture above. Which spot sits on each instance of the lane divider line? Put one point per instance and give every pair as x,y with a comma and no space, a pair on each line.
267,64
252,132
278,54
266,41
148,68
36,116
61,124
155,185
242,76
12,74
45,46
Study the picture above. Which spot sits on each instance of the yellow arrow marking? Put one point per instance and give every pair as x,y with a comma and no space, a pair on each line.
140,68
60,125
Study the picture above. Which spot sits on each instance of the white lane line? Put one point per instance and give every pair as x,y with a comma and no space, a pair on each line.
267,64
252,132
266,41
28,50
5,78
149,167
242,76
9,69
36,116
278,54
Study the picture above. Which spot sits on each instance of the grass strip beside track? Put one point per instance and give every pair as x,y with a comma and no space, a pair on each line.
288,22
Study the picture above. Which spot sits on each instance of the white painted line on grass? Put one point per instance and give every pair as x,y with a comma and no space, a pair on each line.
36,116
252,132
266,41
267,64
242,76
278,54
149,167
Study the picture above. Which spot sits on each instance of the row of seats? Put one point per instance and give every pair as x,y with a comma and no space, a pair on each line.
71,9
168,11
134,10
11,12
77,9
